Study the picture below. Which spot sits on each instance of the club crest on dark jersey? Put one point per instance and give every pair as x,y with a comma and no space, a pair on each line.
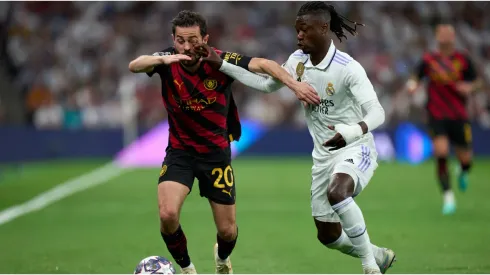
210,83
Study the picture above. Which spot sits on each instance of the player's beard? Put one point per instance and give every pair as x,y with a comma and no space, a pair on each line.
193,62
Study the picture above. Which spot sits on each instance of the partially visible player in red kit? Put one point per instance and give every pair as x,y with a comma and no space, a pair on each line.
203,121
451,80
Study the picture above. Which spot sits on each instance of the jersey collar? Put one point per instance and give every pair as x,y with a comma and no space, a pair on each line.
326,61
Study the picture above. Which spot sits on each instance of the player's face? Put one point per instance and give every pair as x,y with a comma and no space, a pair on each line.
445,35
310,33
185,39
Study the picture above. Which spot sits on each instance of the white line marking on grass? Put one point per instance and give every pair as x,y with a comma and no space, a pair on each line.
61,191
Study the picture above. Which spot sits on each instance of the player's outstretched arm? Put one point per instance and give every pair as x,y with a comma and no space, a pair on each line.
146,63
241,71
363,92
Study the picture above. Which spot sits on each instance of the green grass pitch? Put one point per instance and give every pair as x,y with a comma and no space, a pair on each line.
110,228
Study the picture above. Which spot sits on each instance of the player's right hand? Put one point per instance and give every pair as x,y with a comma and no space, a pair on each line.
169,59
411,86
306,93
209,55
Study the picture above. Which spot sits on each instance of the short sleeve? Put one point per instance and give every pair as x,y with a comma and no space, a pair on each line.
420,69
235,58
469,74
158,69
358,83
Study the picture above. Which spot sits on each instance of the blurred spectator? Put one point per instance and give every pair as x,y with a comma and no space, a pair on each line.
73,56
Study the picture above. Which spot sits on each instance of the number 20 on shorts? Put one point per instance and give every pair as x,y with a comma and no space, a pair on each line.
226,174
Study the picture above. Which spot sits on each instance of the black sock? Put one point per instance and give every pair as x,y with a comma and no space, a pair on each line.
443,173
465,167
177,246
226,247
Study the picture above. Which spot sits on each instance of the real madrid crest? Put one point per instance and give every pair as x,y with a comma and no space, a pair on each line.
330,90
300,69
164,170
210,83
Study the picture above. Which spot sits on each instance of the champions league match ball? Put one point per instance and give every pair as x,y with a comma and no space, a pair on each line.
155,265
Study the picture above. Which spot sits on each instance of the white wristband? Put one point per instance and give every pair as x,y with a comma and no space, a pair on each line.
350,133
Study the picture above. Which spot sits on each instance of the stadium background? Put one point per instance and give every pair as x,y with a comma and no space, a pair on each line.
68,105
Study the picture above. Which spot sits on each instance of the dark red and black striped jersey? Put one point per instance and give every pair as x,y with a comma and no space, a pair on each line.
202,113
443,73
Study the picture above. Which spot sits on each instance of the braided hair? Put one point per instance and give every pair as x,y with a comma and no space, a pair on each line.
337,21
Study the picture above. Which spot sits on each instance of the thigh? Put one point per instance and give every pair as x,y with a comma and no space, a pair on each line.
216,178
359,162
321,209
460,134
177,167
224,217
437,127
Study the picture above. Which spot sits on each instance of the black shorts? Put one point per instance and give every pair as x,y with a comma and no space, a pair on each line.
457,131
214,172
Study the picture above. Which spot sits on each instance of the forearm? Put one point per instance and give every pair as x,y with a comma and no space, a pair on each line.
476,84
276,71
249,79
144,63
375,116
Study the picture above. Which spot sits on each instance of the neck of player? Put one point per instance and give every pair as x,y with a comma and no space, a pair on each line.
446,50
193,68
318,56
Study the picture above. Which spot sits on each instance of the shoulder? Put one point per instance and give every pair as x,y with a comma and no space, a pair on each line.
427,56
348,65
463,54
343,59
299,56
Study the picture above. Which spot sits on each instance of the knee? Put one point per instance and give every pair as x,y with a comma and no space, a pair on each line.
169,215
228,232
327,238
441,147
329,235
336,193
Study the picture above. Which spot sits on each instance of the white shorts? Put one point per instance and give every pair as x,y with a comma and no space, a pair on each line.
359,162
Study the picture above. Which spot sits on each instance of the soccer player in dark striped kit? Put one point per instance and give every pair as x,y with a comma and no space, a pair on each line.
451,80
203,121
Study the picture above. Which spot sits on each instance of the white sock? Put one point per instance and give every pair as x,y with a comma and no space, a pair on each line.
191,265
344,245
354,226
449,197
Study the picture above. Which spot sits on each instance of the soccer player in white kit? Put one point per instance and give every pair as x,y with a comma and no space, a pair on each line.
344,154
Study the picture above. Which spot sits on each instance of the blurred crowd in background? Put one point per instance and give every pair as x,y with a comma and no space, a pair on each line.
70,59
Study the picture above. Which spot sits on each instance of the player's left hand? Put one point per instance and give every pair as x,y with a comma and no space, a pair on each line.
346,134
209,55
464,88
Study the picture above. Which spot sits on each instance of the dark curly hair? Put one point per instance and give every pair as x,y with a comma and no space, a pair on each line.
337,24
188,18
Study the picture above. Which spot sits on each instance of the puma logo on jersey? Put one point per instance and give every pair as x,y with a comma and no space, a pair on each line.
350,160
177,83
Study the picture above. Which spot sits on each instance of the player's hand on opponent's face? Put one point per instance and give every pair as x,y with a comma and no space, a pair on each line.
306,93
169,59
336,142
209,55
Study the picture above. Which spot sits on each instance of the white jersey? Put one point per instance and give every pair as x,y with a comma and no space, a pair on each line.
343,86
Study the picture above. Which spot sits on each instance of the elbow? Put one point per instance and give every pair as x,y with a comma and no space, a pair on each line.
266,64
382,114
261,65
